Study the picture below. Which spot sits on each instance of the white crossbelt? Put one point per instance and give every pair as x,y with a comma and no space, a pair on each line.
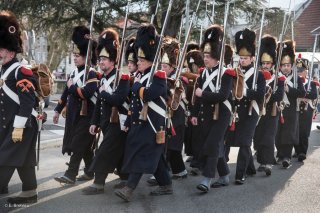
8,91
247,75
270,80
209,79
76,79
107,83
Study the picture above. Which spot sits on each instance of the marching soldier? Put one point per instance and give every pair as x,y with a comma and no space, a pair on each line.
264,137
18,123
307,108
288,131
77,140
212,130
195,64
145,141
110,153
131,57
170,55
242,134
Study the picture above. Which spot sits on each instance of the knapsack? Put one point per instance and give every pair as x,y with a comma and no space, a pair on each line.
44,80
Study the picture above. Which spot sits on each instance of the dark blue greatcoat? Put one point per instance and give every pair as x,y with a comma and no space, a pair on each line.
142,153
288,132
77,137
245,127
212,132
111,150
21,82
266,130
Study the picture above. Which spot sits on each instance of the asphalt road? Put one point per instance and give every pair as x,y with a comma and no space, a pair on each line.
296,189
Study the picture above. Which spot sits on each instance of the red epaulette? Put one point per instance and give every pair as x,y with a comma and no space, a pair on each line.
26,71
184,79
161,74
125,77
99,75
317,83
231,72
282,78
266,75
201,70
303,79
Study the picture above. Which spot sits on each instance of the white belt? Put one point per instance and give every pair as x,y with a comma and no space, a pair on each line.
15,97
228,105
255,106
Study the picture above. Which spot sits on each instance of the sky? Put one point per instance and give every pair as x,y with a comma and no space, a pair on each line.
284,3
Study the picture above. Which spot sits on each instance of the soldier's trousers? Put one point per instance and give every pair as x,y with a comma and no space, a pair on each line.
176,161
213,163
27,176
265,154
162,175
284,151
75,161
244,162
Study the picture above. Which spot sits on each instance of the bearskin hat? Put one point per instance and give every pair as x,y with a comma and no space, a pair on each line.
268,48
108,44
302,63
170,51
212,41
245,42
228,55
195,60
192,46
10,33
130,53
146,42
80,43
288,52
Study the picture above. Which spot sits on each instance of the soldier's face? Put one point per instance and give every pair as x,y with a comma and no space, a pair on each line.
143,64
5,56
79,60
285,69
132,67
266,65
209,62
106,65
245,60
167,68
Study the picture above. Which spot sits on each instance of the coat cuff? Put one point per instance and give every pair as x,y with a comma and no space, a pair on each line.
19,122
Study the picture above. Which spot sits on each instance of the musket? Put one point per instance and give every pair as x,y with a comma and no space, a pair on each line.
114,117
144,111
312,61
175,102
84,103
220,69
39,118
256,63
155,12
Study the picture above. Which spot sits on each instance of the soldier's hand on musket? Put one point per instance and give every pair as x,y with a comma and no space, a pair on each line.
102,88
69,83
198,92
286,88
194,121
17,134
56,117
92,129
126,129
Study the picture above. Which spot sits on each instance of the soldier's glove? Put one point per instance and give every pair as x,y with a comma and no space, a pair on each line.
17,134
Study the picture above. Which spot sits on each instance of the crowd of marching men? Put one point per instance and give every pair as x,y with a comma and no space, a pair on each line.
174,99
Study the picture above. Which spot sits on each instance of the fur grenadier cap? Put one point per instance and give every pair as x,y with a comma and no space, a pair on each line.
10,33
195,60
193,46
268,48
170,51
146,42
80,43
288,52
108,44
212,41
228,55
302,64
245,42
130,53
